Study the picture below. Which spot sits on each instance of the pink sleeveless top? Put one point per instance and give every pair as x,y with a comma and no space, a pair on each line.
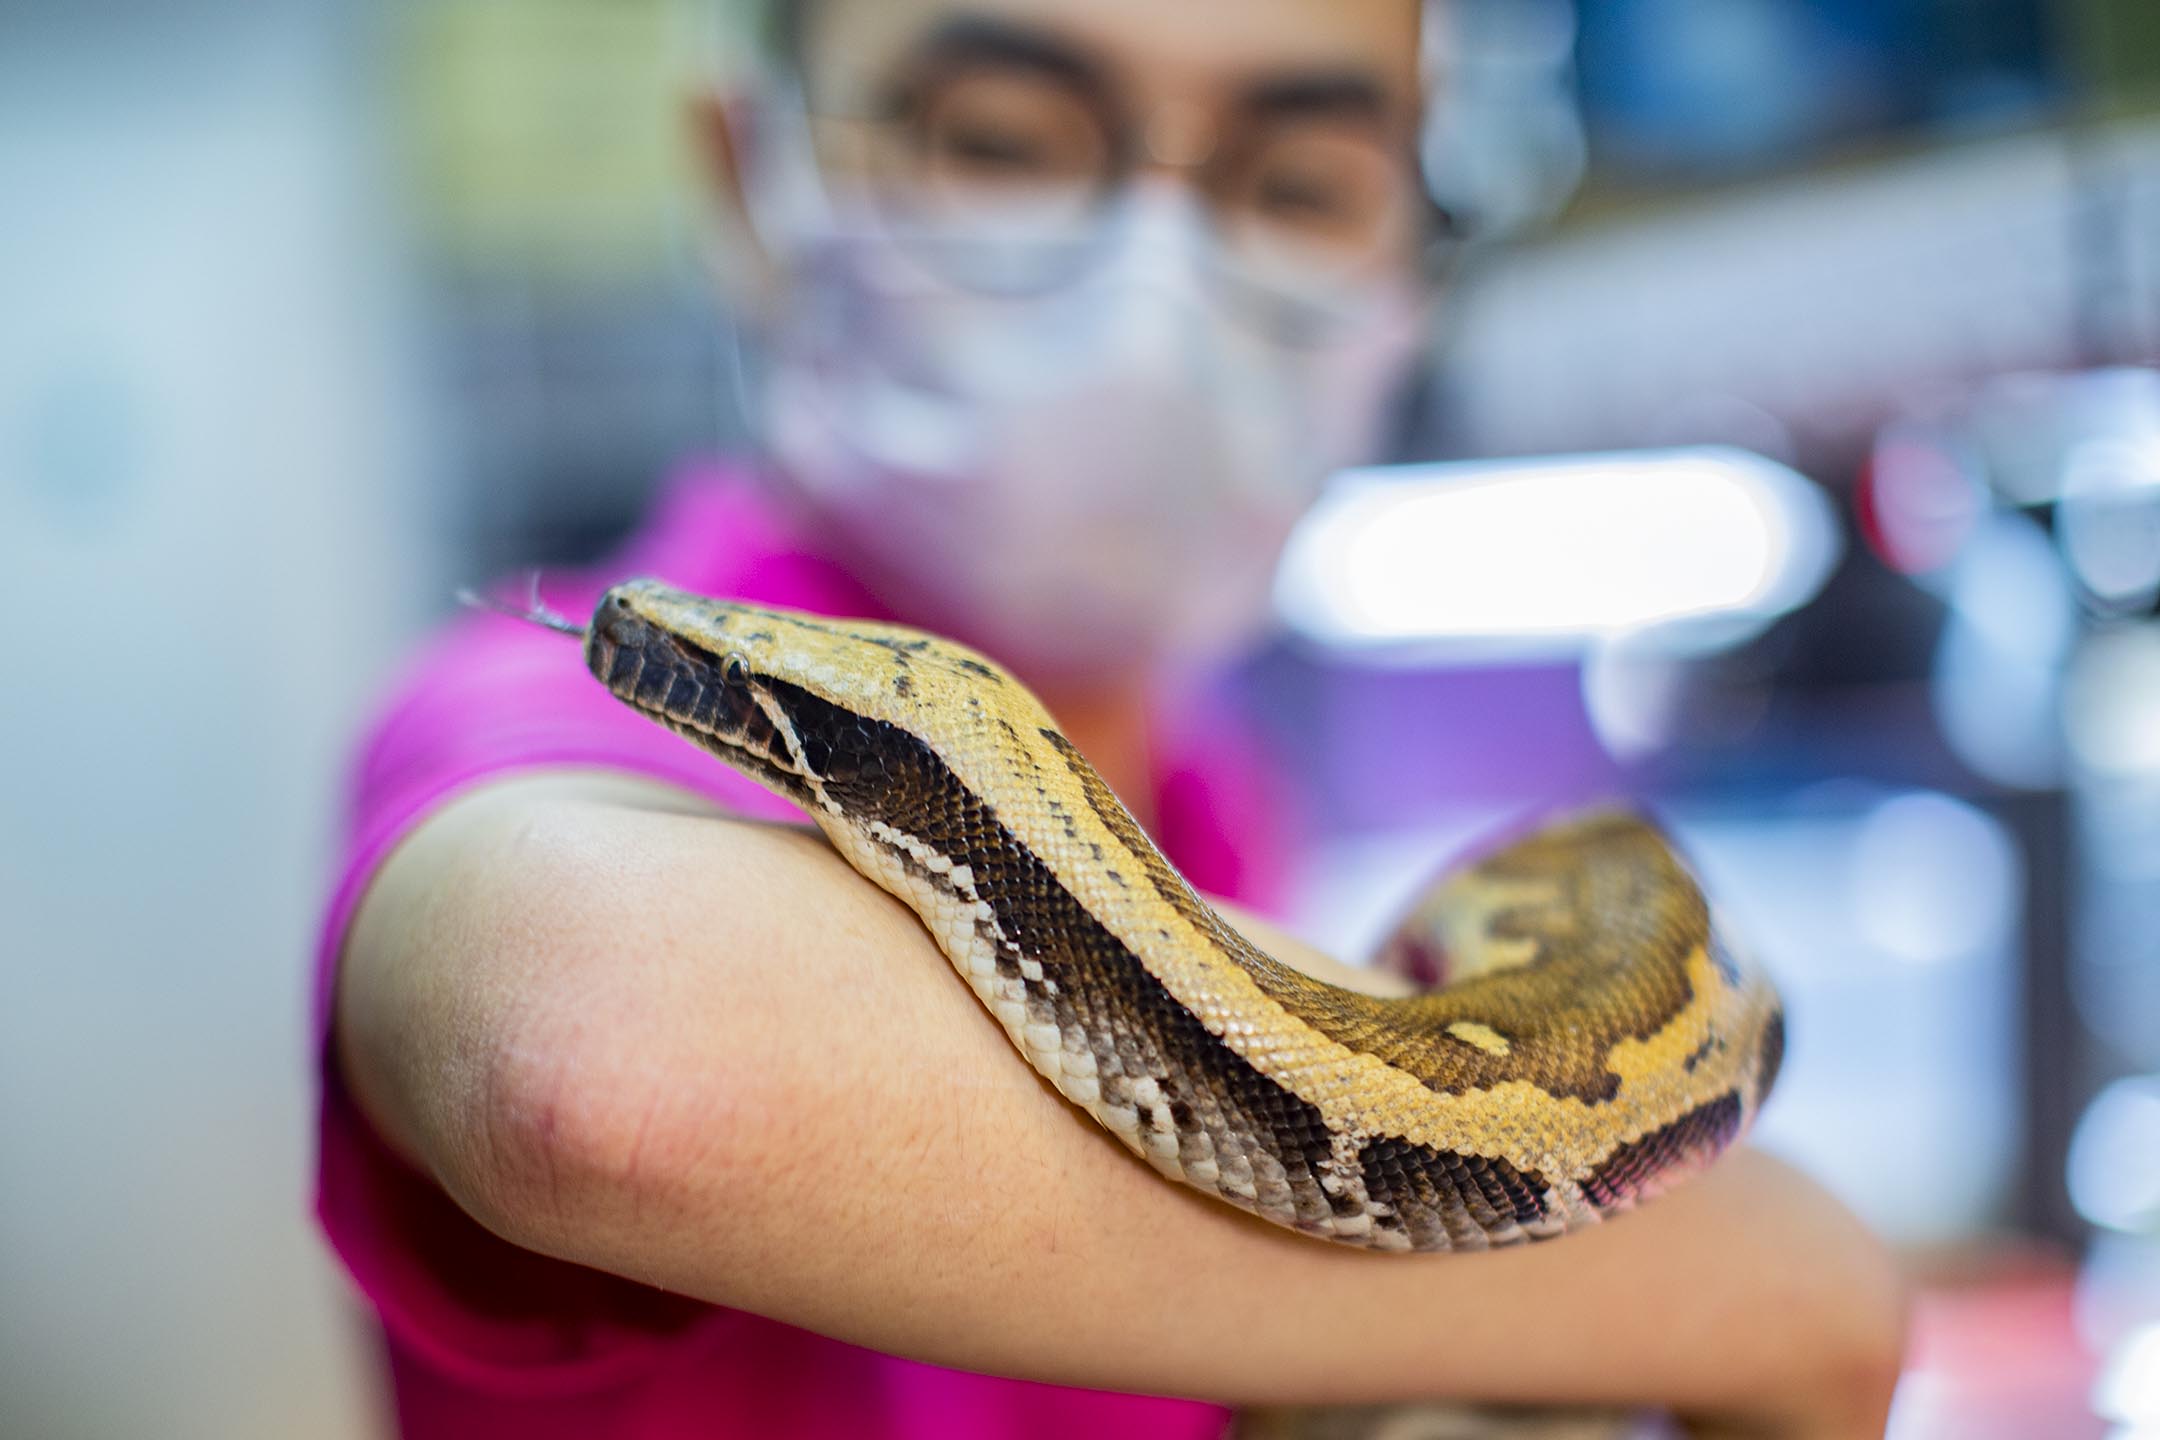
486,1340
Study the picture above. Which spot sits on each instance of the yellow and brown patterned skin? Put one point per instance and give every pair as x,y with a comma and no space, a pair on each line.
1598,1040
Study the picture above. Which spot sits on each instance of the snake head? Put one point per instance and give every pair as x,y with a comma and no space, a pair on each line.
801,703
679,660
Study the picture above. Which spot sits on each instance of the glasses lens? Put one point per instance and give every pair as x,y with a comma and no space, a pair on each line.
1007,150
1000,177
1319,200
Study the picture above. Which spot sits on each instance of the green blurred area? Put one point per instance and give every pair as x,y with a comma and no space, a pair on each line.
2117,49
551,135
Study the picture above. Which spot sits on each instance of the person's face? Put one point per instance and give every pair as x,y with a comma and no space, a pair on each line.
1293,121
1101,292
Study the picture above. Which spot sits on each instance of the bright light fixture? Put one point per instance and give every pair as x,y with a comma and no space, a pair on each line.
2129,1388
2114,1169
1552,554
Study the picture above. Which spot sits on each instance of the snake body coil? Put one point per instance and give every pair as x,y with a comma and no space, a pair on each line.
1596,1038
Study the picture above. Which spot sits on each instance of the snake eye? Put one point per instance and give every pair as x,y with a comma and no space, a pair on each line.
735,670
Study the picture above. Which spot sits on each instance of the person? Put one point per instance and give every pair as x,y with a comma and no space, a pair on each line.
643,1115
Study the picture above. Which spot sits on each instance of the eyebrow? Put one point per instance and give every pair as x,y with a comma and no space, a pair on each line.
983,40
1350,94
975,39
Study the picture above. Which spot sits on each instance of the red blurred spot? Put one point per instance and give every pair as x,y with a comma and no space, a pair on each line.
1915,504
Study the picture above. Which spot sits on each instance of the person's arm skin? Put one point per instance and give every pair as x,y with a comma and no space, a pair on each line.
705,1054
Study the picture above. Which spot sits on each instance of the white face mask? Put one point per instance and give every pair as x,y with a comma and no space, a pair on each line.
1081,479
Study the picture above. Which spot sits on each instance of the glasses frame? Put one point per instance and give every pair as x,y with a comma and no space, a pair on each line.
1307,313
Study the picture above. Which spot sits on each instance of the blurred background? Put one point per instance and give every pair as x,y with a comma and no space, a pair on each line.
1791,460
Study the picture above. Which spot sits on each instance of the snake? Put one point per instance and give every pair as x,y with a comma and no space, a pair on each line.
1589,1036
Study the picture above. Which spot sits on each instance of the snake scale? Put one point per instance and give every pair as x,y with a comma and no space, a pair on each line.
1597,1037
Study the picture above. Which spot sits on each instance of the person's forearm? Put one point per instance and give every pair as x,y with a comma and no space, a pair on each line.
709,1056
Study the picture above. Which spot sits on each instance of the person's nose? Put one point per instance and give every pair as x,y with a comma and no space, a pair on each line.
1178,138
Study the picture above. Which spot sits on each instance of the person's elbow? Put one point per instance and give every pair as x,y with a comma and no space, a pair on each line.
582,1090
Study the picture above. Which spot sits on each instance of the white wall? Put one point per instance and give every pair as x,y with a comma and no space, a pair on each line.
212,540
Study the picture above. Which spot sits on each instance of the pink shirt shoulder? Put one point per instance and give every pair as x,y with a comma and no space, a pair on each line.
486,1340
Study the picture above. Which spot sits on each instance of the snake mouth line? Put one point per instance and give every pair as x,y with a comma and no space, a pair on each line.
687,688
670,679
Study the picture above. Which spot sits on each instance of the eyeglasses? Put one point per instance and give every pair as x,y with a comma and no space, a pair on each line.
1005,170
